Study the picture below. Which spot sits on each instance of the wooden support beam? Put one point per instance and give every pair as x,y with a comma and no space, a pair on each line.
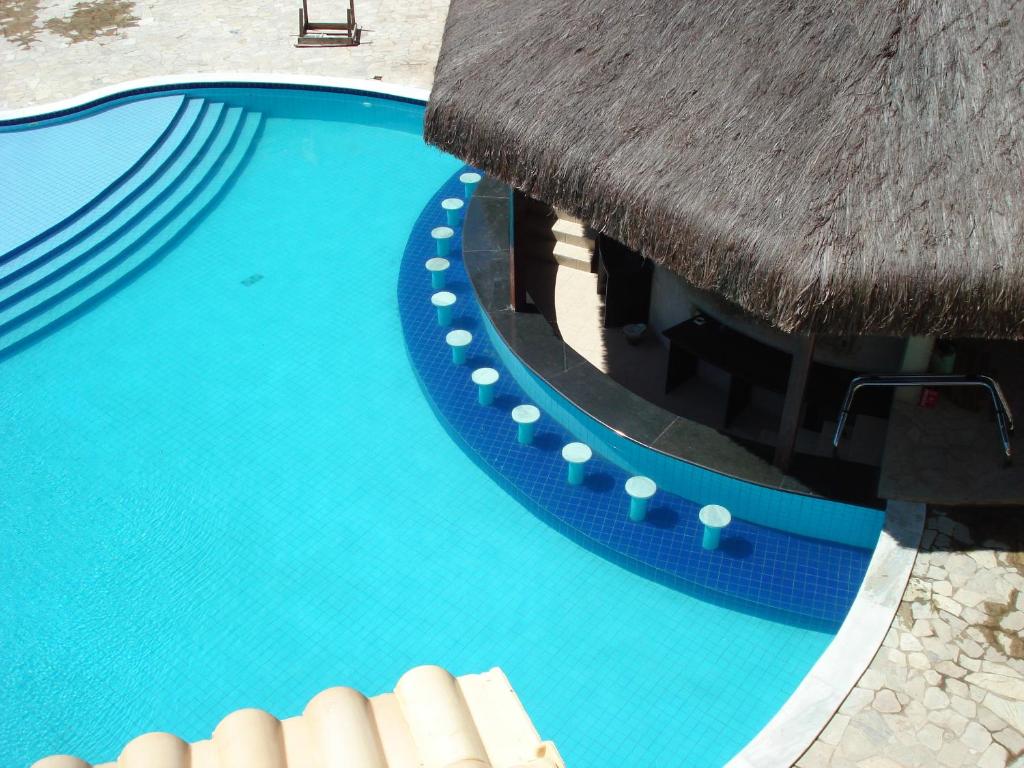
789,425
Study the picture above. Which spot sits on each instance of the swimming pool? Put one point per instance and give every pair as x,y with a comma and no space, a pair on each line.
224,486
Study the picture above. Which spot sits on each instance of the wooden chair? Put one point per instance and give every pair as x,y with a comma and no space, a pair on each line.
328,33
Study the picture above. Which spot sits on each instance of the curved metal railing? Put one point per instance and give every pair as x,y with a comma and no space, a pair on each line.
1004,418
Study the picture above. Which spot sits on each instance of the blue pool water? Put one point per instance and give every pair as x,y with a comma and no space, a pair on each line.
224,487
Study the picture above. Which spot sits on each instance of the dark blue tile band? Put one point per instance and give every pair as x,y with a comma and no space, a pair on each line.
770,572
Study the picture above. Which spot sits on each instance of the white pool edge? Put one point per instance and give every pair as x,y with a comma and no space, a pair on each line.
209,78
824,689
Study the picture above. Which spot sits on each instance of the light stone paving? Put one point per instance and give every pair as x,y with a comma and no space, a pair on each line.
48,51
947,686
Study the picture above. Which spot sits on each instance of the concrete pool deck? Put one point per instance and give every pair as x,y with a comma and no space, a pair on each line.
912,713
947,686
46,52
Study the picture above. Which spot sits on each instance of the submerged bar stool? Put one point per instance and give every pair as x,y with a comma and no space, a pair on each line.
576,456
485,379
444,301
443,238
453,210
438,269
714,519
640,490
526,417
470,180
459,342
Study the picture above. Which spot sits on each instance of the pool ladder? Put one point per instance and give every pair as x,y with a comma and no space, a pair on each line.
1004,418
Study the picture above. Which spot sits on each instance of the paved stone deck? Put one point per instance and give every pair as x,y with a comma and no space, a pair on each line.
52,49
946,689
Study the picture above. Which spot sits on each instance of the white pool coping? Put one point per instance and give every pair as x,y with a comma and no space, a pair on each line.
210,78
811,706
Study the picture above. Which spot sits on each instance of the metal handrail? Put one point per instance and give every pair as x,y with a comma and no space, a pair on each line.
1004,418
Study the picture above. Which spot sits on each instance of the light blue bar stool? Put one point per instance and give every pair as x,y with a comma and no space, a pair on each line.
576,456
526,418
485,379
444,302
438,269
443,238
714,518
640,490
469,181
453,210
459,342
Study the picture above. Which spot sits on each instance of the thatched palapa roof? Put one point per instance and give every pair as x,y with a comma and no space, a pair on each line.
828,166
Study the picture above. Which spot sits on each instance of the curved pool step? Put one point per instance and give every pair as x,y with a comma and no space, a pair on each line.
91,156
113,200
90,280
19,280
20,296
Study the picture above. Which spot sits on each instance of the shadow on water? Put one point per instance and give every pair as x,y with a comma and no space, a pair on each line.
505,402
736,547
599,481
477,361
465,322
662,517
547,441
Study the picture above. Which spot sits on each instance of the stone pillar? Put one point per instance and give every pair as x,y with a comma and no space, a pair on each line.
916,356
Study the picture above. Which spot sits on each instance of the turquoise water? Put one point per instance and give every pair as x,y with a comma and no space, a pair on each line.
223,488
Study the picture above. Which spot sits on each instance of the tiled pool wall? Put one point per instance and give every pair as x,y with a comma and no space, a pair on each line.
260,92
760,569
797,513
385,113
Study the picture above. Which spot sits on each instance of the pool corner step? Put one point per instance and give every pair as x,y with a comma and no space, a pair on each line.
48,260
113,199
92,156
133,249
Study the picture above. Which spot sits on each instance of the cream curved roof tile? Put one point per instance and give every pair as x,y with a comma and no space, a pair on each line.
439,718
342,729
432,720
155,750
60,761
250,738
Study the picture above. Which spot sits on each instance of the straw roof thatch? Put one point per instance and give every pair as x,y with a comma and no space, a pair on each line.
840,167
